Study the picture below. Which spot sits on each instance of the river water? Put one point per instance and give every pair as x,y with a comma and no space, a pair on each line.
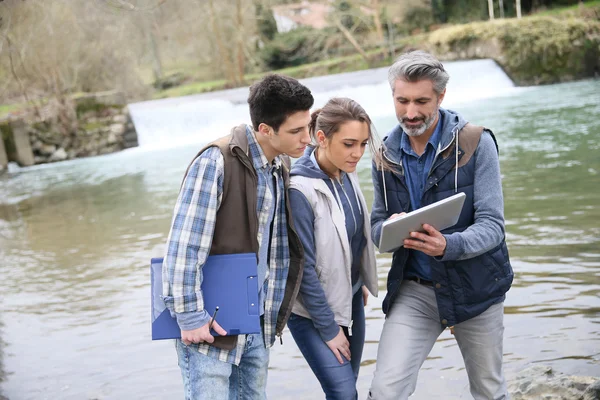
76,237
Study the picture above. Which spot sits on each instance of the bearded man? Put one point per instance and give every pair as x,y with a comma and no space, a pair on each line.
456,278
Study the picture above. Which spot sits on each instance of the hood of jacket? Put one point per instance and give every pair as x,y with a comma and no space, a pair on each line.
304,166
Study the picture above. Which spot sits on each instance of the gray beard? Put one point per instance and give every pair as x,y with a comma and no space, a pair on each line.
414,132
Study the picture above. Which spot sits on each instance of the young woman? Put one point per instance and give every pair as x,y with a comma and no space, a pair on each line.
331,218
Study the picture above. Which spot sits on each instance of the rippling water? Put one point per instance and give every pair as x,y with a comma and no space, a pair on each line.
76,237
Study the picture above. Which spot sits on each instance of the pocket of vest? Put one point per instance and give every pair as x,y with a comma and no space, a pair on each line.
498,258
486,276
478,281
498,264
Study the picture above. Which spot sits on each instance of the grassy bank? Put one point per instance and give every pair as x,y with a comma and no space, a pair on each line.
532,51
377,58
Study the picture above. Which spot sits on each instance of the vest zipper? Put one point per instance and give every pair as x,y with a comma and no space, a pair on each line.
402,174
434,167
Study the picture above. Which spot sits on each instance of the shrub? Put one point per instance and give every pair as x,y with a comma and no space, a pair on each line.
417,18
534,50
296,47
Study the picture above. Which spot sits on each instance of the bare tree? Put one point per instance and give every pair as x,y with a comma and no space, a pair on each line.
241,58
232,56
149,25
491,9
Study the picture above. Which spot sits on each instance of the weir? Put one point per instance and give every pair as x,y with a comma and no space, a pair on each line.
201,118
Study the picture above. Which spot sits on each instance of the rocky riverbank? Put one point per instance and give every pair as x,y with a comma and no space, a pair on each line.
542,382
101,131
85,126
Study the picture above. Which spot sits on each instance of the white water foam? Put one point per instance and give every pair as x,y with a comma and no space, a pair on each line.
202,118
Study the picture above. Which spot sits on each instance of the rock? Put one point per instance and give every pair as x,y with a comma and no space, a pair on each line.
130,140
66,143
117,129
36,145
119,119
542,382
592,392
89,146
58,155
47,149
88,115
106,150
111,138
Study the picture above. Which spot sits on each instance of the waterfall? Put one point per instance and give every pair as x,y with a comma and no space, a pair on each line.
201,118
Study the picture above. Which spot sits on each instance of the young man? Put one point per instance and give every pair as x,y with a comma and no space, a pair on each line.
233,200
456,278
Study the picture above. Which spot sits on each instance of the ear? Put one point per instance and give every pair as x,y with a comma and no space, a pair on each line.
441,97
265,130
321,139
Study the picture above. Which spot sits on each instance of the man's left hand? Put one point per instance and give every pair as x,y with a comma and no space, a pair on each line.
432,243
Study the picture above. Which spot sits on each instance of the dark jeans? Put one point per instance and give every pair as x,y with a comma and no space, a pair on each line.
337,380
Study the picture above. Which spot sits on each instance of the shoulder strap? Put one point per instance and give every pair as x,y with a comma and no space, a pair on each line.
220,143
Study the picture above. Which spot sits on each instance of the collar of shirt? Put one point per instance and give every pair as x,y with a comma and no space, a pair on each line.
256,153
432,143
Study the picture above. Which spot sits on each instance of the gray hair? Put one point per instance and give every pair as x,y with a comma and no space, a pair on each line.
419,65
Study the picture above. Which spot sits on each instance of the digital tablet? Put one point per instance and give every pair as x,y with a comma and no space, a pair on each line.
441,215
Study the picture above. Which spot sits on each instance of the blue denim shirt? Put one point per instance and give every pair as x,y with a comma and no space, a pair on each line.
416,171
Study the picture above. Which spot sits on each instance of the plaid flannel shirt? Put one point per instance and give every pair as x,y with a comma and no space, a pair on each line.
191,237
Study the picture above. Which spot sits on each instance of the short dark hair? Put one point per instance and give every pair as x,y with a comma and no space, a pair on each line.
276,97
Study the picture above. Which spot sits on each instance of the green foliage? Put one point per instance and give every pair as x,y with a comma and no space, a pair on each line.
534,50
296,47
90,104
417,18
6,136
438,11
587,10
9,108
169,81
350,16
344,8
265,22
457,11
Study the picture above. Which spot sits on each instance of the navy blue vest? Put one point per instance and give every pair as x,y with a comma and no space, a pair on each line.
466,288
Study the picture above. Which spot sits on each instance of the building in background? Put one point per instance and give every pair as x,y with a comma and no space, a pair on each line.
305,13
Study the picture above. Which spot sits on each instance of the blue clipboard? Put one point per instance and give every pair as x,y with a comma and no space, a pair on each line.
229,281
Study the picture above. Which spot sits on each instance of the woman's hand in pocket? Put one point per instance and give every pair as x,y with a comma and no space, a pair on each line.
340,346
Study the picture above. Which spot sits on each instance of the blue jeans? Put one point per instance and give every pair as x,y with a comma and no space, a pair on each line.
337,380
207,378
